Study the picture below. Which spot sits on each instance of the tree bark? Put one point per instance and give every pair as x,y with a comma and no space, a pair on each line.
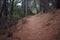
12,4
26,7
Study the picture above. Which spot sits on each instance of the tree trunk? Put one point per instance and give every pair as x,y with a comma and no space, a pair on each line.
11,11
26,7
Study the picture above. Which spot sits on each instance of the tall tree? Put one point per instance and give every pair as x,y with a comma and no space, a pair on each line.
1,8
35,5
4,8
12,4
26,7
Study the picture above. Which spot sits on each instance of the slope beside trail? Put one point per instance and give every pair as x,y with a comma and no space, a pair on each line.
39,27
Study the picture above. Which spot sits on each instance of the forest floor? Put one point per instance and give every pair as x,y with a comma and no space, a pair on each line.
38,27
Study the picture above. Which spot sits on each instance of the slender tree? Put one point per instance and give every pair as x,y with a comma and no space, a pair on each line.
26,7
4,8
35,5
1,8
12,4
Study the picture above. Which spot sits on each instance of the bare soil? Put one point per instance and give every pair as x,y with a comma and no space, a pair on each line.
38,27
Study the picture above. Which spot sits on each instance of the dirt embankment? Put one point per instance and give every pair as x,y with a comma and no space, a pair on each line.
39,27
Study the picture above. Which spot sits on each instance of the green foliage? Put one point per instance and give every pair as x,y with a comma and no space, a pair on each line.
18,13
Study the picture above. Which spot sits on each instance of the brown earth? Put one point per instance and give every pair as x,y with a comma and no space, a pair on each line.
39,27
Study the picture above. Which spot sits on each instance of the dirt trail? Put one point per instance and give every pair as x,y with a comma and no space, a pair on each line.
40,27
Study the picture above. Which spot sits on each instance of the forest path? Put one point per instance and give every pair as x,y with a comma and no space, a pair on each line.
40,27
